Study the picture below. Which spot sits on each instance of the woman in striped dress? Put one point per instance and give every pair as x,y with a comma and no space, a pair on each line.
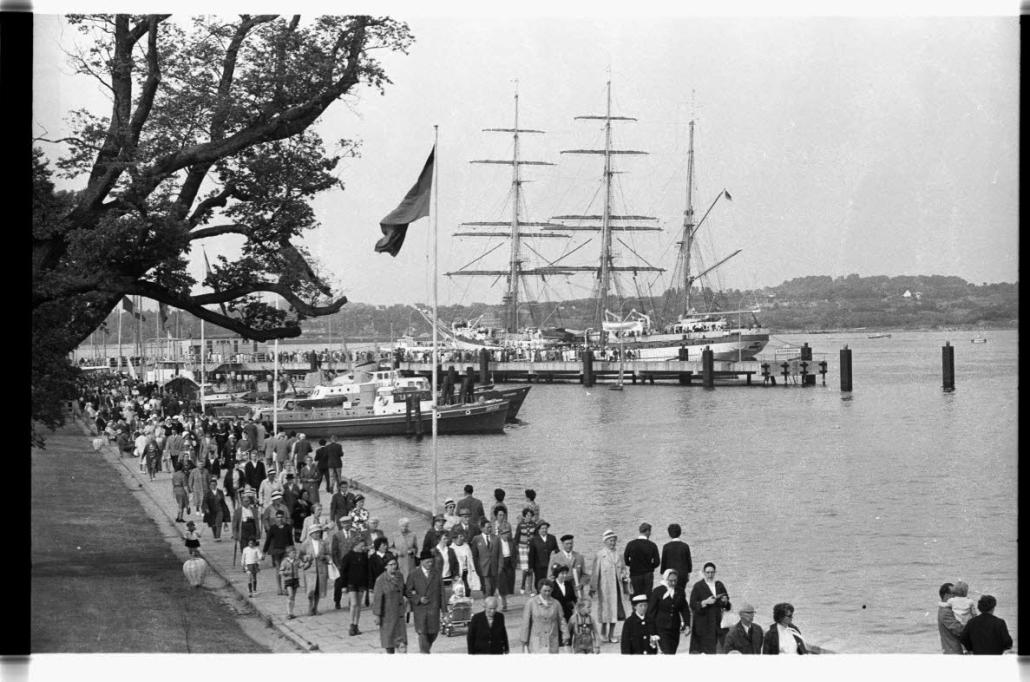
523,534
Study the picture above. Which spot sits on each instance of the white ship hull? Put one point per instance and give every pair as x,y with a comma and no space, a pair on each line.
725,346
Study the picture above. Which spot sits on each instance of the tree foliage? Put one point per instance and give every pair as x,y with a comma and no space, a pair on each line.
209,133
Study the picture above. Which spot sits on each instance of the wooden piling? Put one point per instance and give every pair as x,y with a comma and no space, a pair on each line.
484,366
845,369
807,378
708,368
683,354
948,363
418,415
588,368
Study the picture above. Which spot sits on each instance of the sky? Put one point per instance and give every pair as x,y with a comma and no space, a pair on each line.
849,144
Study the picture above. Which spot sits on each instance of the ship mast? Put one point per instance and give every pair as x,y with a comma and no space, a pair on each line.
609,222
688,225
515,233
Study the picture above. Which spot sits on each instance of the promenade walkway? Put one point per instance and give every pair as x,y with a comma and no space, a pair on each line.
327,631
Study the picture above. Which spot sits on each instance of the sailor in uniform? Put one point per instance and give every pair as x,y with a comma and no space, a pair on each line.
637,637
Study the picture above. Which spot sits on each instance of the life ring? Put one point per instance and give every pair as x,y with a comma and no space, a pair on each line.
467,412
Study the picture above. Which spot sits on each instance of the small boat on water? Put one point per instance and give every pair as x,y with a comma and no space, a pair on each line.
383,403
979,338
879,336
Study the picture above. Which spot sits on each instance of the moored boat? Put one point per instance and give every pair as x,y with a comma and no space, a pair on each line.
879,336
383,403
979,338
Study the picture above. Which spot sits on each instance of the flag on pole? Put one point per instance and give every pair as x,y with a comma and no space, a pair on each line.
127,305
207,266
727,195
162,312
415,205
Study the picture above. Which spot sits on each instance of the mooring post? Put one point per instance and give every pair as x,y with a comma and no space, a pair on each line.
484,366
683,354
397,353
588,367
408,426
807,378
822,370
785,366
418,415
948,362
765,374
708,367
845,369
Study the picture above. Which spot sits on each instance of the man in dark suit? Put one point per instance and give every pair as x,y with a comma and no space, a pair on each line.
322,462
636,632
473,505
425,591
342,502
341,543
676,555
445,560
986,633
745,637
541,546
334,452
254,471
487,633
486,554
465,526
642,558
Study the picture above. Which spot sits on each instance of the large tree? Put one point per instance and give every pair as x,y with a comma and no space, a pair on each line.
209,133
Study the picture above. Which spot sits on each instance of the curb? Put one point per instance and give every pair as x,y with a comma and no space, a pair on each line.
396,500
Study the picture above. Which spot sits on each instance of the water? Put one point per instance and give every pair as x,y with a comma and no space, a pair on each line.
853,507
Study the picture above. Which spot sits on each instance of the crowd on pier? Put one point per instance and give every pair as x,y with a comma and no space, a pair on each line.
284,497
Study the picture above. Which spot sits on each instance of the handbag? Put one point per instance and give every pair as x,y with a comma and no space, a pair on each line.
334,572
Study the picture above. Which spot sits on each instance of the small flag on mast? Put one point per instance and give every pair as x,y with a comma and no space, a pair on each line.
415,205
727,195
127,305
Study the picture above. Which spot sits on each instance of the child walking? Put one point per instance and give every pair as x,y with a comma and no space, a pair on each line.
583,633
251,564
288,570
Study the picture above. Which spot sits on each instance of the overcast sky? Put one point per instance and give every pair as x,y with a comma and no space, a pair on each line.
877,146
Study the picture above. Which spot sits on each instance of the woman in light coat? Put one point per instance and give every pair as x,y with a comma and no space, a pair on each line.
542,622
405,546
606,586
466,563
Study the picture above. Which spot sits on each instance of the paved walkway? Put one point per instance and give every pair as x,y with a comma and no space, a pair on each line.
327,631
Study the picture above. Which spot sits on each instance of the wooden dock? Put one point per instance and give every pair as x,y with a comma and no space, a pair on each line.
634,372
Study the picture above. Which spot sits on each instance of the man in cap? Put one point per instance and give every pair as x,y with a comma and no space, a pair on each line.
274,506
745,637
636,631
474,507
314,559
432,537
246,523
566,556
343,540
291,491
465,525
541,546
269,485
641,557
277,539
425,591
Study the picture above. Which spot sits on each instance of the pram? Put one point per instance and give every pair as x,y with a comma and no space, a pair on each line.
456,620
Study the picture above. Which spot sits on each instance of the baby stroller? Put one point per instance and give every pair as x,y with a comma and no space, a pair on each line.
456,620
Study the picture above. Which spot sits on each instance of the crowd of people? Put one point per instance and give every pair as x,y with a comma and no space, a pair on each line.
564,353
284,497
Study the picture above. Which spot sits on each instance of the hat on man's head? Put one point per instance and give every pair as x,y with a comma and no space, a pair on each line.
449,500
426,554
277,495
541,524
608,534
566,537
639,598
439,517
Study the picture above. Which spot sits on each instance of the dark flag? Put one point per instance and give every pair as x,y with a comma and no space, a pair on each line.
162,311
727,195
127,305
414,206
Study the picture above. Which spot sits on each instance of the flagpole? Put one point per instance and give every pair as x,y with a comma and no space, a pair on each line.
203,366
275,382
119,366
436,217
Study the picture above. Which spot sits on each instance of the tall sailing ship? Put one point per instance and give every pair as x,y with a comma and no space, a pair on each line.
732,335
469,334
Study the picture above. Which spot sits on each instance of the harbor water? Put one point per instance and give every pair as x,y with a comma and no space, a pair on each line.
854,507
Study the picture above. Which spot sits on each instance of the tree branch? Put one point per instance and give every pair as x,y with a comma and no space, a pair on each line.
195,305
216,230
207,205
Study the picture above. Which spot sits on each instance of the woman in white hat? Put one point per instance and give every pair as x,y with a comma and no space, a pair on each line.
450,515
606,586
